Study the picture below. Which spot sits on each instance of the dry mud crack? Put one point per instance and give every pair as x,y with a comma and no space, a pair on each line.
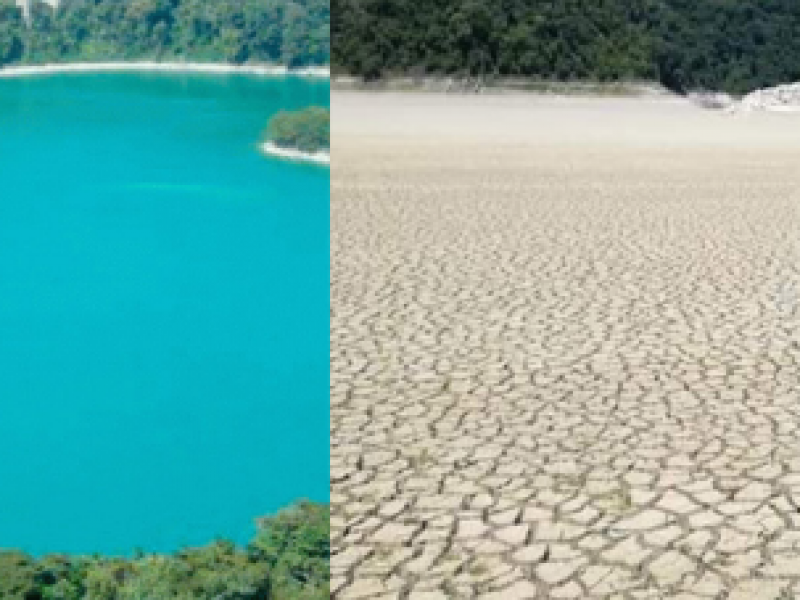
564,371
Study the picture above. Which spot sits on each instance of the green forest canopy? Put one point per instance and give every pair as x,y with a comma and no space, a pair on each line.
726,45
289,559
307,130
288,32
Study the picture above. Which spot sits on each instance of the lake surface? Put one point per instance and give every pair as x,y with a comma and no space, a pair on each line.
163,312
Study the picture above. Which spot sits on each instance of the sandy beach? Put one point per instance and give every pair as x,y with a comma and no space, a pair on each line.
162,67
320,158
565,349
532,119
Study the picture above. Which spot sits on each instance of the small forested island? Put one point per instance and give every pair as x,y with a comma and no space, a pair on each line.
288,559
305,132
292,33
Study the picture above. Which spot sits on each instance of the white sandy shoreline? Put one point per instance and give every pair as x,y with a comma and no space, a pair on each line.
320,158
556,122
163,67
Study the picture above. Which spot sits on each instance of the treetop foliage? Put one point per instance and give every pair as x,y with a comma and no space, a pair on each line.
289,32
726,45
289,559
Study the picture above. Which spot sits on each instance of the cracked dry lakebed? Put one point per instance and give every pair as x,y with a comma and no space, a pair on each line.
564,349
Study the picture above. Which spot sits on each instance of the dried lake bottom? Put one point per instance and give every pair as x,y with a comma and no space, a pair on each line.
565,349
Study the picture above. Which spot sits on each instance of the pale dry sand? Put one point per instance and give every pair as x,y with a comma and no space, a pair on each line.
565,349
539,119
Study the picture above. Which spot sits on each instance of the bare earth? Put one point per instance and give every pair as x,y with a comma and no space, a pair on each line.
565,350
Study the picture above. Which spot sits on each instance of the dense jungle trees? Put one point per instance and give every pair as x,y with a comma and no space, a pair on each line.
290,32
731,45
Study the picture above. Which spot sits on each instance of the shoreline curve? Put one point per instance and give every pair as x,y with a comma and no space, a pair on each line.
162,67
319,158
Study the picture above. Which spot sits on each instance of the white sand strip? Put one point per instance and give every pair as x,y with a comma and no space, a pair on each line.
163,67
541,120
321,158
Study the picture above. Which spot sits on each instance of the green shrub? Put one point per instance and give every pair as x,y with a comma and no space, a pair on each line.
295,543
288,559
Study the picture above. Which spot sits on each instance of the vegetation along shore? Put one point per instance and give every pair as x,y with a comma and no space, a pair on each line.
732,45
288,559
293,33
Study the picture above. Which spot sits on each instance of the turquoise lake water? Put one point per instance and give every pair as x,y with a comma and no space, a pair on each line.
163,312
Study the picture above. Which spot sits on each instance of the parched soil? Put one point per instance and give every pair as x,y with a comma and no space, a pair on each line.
565,350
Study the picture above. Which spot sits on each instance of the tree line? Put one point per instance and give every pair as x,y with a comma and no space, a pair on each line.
288,32
726,45
289,559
